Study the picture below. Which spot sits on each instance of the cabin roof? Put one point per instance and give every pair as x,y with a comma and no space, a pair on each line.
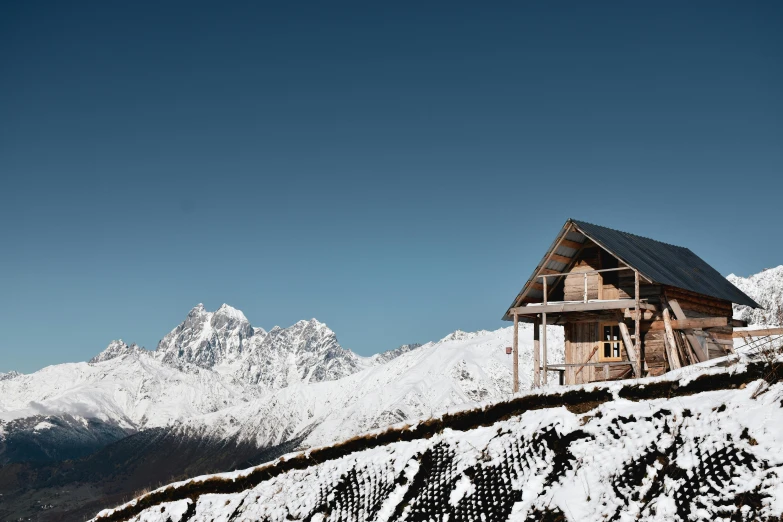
656,261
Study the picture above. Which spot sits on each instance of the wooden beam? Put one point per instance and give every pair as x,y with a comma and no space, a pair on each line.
560,307
557,366
571,244
690,324
549,271
515,354
595,349
537,286
647,315
545,261
560,259
756,332
543,348
695,344
536,354
682,341
724,342
671,343
637,329
629,347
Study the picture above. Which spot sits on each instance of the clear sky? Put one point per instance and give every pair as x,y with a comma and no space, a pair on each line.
392,169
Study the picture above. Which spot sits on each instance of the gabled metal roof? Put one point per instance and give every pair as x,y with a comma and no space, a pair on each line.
665,264
657,262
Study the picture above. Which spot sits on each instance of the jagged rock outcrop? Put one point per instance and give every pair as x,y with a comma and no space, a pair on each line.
766,288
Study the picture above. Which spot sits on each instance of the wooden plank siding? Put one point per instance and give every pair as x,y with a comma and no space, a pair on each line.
696,306
589,259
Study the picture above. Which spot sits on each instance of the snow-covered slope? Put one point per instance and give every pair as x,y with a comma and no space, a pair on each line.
460,369
766,288
216,376
701,444
133,391
305,352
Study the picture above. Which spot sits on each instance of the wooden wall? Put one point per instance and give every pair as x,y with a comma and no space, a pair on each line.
606,285
580,339
589,259
696,306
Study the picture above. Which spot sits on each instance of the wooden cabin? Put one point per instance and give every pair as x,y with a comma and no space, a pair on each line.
603,286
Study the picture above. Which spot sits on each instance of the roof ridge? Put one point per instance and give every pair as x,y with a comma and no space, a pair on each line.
578,221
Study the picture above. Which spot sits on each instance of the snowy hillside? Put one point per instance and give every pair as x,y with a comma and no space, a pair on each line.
766,288
697,444
460,369
134,390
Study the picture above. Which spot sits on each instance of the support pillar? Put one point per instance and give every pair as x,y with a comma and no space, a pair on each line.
543,348
515,352
637,327
536,354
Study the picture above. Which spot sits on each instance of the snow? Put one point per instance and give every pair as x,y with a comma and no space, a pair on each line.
684,458
459,370
766,288
287,382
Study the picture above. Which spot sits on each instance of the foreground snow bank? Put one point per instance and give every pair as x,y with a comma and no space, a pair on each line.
700,446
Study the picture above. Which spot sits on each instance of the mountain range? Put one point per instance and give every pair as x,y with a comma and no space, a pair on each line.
219,394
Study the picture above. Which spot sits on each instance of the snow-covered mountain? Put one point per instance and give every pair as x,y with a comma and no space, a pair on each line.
269,387
697,444
208,339
134,391
134,417
9,375
218,393
117,349
766,288
306,352
460,369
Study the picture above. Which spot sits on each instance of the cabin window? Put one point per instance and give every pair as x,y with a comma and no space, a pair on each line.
611,343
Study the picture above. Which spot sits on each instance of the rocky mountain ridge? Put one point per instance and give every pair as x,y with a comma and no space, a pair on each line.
766,288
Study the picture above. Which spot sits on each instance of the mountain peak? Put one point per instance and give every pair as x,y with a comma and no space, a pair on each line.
116,348
197,310
231,312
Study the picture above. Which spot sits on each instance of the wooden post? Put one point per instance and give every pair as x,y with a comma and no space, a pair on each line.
702,353
543,347
543,335
671,343
515,353
636,326
545,292
629,347
536,355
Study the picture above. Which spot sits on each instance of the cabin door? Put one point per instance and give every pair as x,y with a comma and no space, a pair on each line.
582,345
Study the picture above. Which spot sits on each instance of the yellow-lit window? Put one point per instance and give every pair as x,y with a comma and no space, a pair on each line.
611,343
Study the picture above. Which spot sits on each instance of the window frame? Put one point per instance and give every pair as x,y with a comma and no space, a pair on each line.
602,343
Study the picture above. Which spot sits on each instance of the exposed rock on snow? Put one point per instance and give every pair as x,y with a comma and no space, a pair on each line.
117,349
207,339
766,288
306,352
455,371
9,375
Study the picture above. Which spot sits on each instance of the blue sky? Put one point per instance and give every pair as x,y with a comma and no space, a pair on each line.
394,170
